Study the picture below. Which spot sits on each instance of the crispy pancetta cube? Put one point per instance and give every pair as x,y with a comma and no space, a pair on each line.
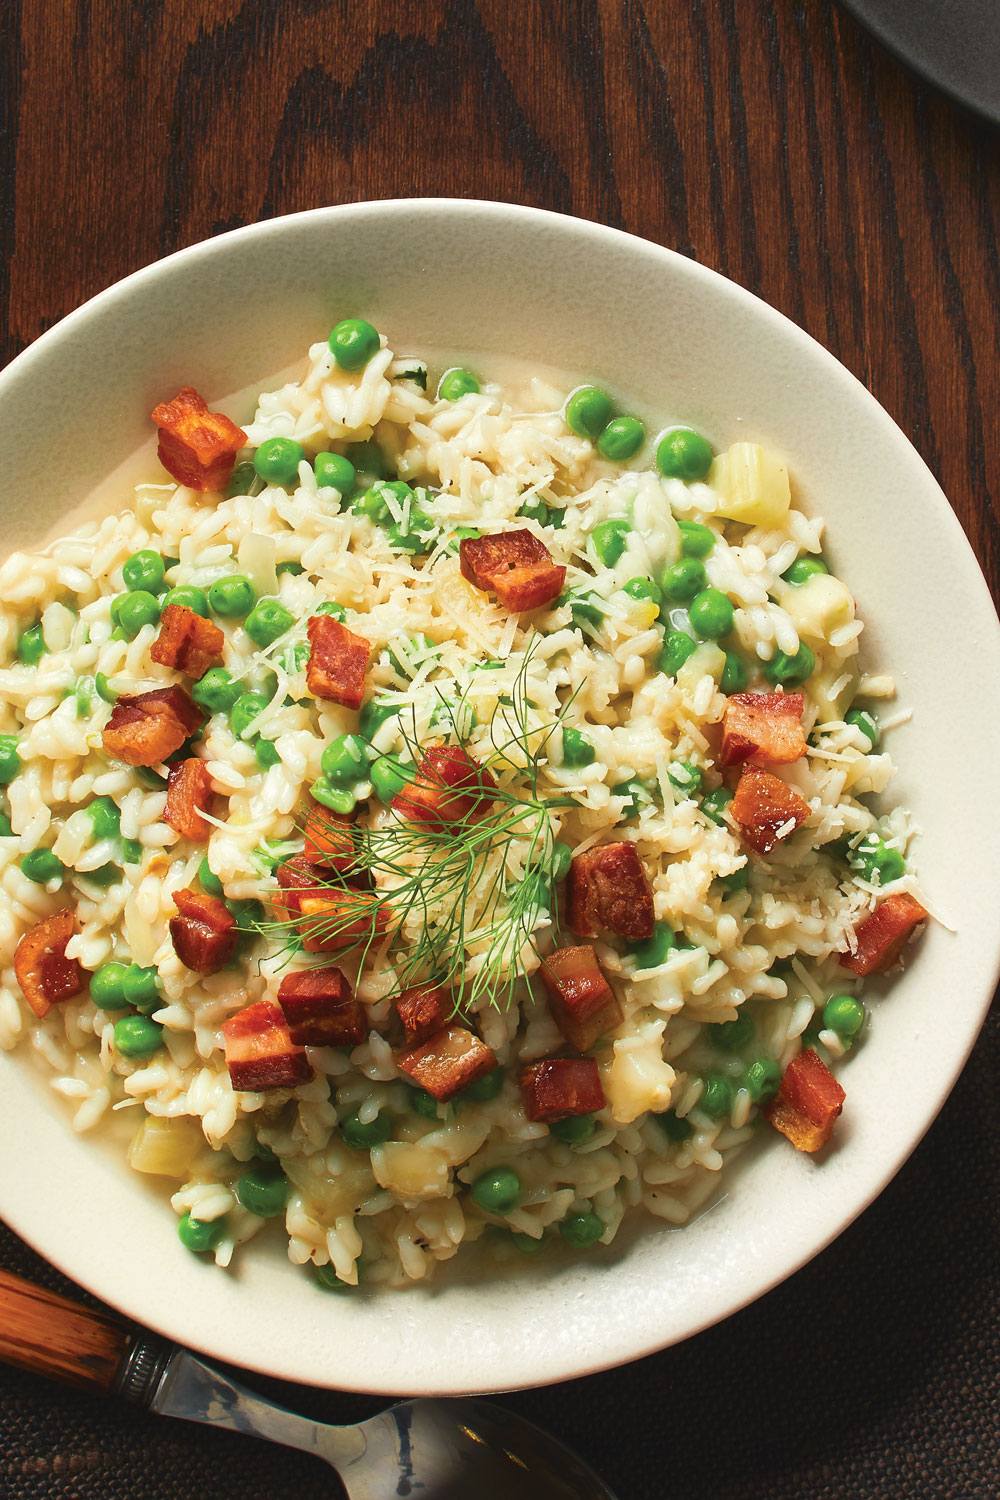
329,839
187,642
260,1053
144,728
515,565
320,1009
609,891
883,935
43,971
296,877
561,1086
423,1009
204,933
766,810
807,1103
189,794
331,919
583,1004
449,787
447,1062
197,447
338,660
764,727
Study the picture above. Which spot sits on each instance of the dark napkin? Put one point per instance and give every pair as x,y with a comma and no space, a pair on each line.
873,1373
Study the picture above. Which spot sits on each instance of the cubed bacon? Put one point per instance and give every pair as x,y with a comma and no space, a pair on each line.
766,810
335,919
561,1086
260,1053
423,1009
449,787
189,794
882,936
763,726
583,1004
338,660
609,892
807,1103
515,565
187,642
329,839
197,447
447,1062
45,974
204,933
320,1009
144,728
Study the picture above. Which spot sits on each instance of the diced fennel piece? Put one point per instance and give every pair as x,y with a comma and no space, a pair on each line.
817,607
166,1147
707,660
752,483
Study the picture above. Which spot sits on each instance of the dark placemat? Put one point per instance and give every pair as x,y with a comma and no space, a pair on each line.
871,1375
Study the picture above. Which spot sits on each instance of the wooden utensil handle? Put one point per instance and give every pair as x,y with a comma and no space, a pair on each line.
49,1334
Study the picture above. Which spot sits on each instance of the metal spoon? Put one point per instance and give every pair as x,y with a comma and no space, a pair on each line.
432,1449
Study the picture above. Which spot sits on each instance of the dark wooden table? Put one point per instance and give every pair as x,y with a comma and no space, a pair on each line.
772,140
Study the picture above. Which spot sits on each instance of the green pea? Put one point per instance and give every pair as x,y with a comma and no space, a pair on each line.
216,692
629,792
581,1230
131,852
714,804
684,454
388,775
374,713
344,761
200,1235
364,1136
138,1036
577,750
424,1104
353,343
417,537
368,458
244,711
150,778
650,952
643,588
684,777
717,1096
263,1191
677,647
490,665
330,607
470,533
334,471
243,480
484,1089
732,1036
561,859
457,383
267,621
867,723
6,827
586,610
621,438
232,596
277,461
329,1280
247,912
609,539
106,987
574,1130
9,758
526,1243
874,857
84,694
266,753
674,1127
738,880
41,866
734,674
844,1015
103,875
188,597
31,646
587,411
804,568
696,540
790,669
144,571
104,688
137,610
498,1191
682,580
335,798
711,614
762,1079
141,987
105,818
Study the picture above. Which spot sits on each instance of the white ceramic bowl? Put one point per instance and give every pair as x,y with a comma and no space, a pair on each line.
479,280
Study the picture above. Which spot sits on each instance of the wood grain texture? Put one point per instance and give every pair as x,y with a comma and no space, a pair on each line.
52,1336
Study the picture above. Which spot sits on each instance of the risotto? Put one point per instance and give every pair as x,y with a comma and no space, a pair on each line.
441,817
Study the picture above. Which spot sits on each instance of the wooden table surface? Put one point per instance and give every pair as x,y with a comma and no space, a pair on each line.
769,139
